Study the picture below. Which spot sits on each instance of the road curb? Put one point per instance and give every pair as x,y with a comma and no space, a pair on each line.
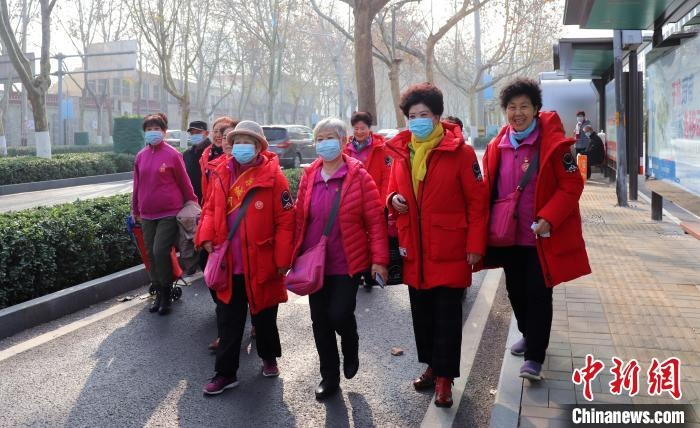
55,305
506,407
10,189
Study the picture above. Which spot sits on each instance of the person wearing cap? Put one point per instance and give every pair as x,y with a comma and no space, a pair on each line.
161,189
199,137
579,134
212,155
259,254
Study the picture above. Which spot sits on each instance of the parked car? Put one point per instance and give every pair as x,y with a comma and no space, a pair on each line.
388,133
293,144
172,137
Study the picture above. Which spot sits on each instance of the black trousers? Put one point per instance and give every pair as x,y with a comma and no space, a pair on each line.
530,298
437,326
159,236
231,323
333,311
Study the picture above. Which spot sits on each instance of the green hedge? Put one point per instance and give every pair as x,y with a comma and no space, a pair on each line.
27,169
58,150
47,249
128,134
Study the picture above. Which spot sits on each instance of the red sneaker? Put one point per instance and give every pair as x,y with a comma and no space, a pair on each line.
443,391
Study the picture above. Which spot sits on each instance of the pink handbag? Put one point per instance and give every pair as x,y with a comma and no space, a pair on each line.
306,275
216,272
504,213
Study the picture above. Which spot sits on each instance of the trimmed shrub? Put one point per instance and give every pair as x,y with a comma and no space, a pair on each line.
127,134
293,177
47,249
27,169
58,150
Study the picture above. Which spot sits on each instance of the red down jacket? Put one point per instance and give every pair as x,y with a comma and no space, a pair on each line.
267,229
557,191
448,218
362,225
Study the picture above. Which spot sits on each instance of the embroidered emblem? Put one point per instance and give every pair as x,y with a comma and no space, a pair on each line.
569,163
477,171
388,160
287,203
525,165
248,182
238,191
259,205
163,167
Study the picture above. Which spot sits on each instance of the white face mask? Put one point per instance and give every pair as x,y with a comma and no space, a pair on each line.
579,119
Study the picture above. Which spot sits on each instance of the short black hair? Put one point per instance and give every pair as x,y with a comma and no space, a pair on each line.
522,86
361,116
455,120
156,119
425,93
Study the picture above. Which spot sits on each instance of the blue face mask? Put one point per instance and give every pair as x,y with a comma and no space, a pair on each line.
243,153
328,149
196,138
421,127
153,137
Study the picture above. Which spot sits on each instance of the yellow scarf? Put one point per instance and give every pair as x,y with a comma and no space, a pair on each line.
421,149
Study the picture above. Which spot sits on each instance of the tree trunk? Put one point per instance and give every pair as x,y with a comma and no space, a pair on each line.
429,59
364,68
396,92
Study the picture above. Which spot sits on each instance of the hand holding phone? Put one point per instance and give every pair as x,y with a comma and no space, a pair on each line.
379,279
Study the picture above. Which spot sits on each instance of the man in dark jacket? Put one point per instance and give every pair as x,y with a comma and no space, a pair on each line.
595,150
199,136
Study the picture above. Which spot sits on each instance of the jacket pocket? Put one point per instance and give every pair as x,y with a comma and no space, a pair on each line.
265,262
447,236
406,249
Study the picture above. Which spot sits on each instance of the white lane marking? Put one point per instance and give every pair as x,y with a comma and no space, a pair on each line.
66,329
471,336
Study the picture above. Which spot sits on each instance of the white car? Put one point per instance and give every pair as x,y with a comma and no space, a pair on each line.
388,133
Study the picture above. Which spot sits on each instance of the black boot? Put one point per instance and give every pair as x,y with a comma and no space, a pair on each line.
326,388
155,306
165,301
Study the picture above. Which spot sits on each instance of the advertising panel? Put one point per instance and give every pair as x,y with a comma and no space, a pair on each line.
673,103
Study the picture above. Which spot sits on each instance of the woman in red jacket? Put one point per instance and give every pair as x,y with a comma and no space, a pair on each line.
548,246
357,242
369,148
259,251
212,155
439,200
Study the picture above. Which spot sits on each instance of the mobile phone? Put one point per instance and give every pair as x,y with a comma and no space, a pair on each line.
379,280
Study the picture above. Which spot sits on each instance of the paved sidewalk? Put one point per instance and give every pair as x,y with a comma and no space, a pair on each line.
642,301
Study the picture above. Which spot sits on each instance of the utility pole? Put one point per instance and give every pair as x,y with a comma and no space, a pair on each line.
620,122
477,62
61,134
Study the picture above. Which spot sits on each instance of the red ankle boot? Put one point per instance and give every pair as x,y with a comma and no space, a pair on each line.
443,391
425,381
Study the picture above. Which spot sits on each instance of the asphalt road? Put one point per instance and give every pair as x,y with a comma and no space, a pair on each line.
21,201
136,369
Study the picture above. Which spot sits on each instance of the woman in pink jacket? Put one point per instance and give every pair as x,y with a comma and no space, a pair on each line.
161,188
360,214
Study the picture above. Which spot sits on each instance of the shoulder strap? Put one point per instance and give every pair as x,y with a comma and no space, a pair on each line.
241,212
334,213
528,174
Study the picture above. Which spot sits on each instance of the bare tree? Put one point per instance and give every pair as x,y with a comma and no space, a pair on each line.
167,27
36,86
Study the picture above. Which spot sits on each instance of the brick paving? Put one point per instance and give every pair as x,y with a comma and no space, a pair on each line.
641,301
